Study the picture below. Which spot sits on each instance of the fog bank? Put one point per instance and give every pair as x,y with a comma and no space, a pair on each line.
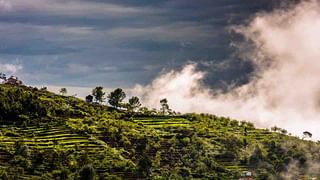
284,90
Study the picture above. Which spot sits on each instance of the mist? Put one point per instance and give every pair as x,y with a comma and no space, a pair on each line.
284,89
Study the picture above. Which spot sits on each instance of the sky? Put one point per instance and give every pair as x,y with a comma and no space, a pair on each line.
111,43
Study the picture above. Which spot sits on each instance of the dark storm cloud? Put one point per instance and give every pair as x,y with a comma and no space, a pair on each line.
121,43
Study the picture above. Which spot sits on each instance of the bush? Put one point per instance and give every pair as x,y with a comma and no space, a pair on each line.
256,157
87,172
144,165
185,141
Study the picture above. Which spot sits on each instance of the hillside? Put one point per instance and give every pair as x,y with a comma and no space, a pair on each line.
47,136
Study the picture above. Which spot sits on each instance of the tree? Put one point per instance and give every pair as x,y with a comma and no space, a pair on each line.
89,98
63,91
134,103
43,89
3,77
283,131
164,106
307,134
116,97
98,94
274,128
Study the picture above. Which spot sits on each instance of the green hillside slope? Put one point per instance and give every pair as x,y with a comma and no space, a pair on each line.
48,136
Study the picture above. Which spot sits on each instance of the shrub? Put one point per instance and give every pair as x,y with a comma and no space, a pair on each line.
87,172
185,141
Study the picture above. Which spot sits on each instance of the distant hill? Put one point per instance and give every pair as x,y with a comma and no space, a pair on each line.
47,136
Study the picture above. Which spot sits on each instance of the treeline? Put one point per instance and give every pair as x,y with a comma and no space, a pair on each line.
17,104
30,105
116,100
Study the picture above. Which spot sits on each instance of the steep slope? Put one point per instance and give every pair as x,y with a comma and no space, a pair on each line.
48,136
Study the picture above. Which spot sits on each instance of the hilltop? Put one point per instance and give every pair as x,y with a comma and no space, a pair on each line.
49,136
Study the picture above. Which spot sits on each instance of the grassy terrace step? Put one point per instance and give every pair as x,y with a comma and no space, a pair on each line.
163,123
35,140
59,137
43,130
84,146
161,120
48,138
45,139
46,131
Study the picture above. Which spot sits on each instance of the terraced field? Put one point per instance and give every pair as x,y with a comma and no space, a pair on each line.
169,128
60,137
48,136
55,138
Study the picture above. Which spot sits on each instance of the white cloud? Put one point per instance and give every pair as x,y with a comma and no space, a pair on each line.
10,68
284,47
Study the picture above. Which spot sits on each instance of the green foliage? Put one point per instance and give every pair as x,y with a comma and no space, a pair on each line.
63,91
144,165
89,98
48,136
134,103
164,106
98,94
116,97
87,172
44,89
16,104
